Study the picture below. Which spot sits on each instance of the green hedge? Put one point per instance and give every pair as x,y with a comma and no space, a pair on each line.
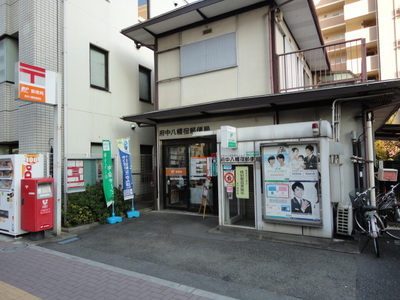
90,206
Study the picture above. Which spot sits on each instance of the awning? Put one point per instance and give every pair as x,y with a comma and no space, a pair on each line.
382,97
299,16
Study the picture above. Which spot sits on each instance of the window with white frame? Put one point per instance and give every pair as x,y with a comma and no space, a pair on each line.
98,68
144,84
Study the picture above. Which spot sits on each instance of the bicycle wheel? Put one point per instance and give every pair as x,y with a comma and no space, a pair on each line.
360,220
391,224
375,227
393,230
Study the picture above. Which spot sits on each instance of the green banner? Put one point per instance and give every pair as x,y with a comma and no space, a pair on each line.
108,180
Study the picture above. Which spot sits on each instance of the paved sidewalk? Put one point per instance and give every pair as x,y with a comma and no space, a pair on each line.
32,272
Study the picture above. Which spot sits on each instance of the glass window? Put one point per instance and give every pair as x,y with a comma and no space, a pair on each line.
209,55
96,149
8,58
144,84
98,68
187,165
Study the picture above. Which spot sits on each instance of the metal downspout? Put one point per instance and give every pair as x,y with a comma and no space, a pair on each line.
370,155
65,104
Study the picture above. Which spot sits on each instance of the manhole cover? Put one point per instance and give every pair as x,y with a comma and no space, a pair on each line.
14,247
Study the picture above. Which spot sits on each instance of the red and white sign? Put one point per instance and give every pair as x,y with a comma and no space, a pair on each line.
35,84
75,174
229,177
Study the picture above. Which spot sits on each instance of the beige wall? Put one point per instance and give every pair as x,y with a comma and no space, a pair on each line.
250,76
92,114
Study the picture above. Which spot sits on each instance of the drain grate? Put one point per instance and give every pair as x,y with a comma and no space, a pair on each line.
68,241
14,247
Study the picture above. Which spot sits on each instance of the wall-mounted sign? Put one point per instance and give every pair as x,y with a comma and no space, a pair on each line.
75,174
35,84
242,182
183,131
229,178
228,137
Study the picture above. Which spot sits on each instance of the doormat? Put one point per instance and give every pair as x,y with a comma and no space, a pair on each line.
68,241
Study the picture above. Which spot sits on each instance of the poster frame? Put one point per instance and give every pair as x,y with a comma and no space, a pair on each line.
316,218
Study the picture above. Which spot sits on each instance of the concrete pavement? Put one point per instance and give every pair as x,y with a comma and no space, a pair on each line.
31,272
194,258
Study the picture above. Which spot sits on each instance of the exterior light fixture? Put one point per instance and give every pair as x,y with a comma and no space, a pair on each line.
315,129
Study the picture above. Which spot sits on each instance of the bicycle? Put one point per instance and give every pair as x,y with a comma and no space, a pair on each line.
366,217
389,210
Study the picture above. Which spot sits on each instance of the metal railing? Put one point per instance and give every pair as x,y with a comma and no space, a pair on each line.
326,66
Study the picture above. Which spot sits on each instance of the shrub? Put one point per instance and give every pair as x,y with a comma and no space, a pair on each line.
90,206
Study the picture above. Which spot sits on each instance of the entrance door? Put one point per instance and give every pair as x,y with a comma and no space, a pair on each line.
176,176
239,196
186,165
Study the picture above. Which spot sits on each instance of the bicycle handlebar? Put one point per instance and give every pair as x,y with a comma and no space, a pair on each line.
393,187
365,192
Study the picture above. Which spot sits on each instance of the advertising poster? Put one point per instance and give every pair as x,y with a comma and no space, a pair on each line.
75,172
291,182
198,168
125,158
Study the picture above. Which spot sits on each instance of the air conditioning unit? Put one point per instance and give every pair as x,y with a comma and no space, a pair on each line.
344,218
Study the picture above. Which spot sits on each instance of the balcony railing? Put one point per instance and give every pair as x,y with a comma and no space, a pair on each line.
370,34
331,22
326,66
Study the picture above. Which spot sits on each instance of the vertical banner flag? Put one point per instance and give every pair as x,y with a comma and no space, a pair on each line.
125,158
108,180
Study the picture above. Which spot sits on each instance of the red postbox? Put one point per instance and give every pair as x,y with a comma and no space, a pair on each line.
37,202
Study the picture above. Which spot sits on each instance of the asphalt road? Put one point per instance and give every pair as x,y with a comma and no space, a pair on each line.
190,250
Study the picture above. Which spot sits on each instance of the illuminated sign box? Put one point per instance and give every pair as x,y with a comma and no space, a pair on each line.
35,84
228,137
387,174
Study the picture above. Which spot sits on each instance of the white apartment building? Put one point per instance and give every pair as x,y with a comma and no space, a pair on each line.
376,21
103,76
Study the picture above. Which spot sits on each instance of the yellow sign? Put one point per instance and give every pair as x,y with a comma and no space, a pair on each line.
242,182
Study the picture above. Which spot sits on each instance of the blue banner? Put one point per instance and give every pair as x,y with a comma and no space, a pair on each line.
125,157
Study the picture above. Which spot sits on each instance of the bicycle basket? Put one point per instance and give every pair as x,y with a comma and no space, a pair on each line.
358,200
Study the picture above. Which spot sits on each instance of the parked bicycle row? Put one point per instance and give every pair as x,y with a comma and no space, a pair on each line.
376,220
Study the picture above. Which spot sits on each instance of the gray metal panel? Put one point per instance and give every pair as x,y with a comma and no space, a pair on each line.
209,55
